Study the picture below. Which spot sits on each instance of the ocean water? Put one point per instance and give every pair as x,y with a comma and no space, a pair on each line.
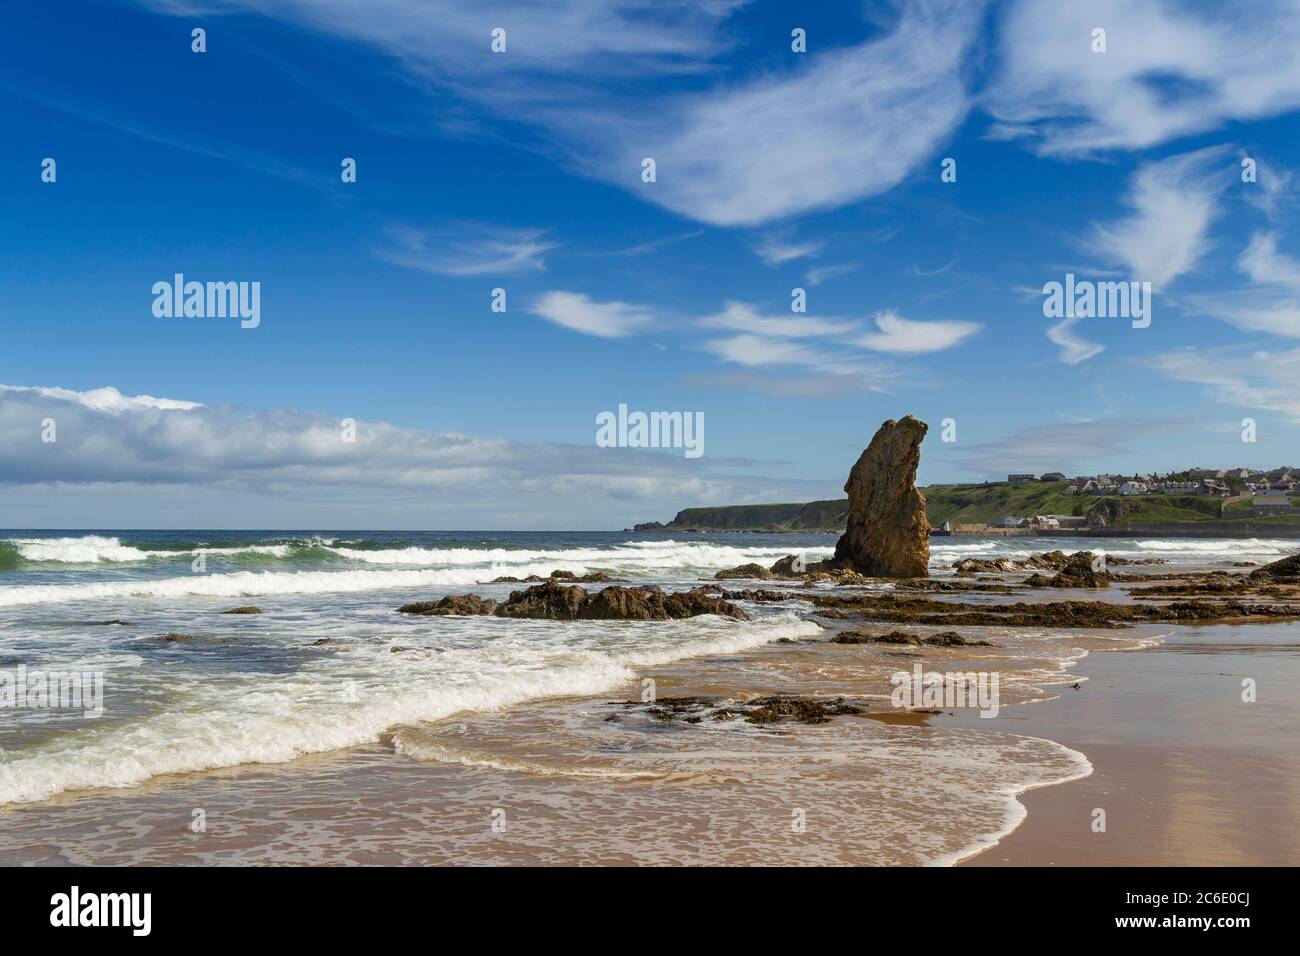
329,665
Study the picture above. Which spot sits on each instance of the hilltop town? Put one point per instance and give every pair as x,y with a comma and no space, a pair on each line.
1266,493
1236,501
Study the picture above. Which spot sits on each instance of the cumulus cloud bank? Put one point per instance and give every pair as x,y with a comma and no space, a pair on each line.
103,439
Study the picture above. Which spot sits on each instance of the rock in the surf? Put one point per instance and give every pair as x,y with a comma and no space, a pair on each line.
888,535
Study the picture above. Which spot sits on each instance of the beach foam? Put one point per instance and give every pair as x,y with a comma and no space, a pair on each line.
353,696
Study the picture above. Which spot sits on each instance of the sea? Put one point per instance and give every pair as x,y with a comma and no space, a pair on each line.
329,667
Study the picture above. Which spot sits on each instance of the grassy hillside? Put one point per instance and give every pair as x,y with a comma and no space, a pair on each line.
983,504
986,504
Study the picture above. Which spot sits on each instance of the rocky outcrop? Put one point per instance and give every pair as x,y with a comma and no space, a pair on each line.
774,709
942,639
754,571
552,601
593,577
452,604
1083,570
549,601
887,534
247,609
1286,571
1047,561
635,604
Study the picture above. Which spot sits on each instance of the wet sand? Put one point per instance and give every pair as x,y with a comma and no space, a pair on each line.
1188,774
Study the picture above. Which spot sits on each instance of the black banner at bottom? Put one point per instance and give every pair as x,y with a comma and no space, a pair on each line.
335,905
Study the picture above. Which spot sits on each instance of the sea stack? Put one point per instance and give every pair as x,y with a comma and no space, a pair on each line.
888,535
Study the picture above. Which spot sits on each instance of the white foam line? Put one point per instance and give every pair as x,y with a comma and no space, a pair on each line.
1016,812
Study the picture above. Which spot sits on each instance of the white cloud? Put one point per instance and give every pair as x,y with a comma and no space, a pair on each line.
608,320
848,123
466,250
816,276
1064,446
1265,265
1174,202
1171,68
917,271
106,399
830,127
117,455
1074,348
742,317
1272,190
1243,377
759,350
449,40
1270,304
901,335
868,377
774,250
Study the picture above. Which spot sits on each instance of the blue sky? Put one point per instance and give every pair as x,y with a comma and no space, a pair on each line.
522,170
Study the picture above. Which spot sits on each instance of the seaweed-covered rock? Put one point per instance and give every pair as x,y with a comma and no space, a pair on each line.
549,601
756,571
953,639
804,710
1047,561
552,601
942,639
592,577
862,637
458,604
247,609
1083,570
1285,571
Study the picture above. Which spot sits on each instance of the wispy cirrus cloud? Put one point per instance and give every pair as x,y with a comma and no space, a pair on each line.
819,274
465,250
850,123
1271,303
867,377
774,250
1171,68
836,126
742,317
761,350
581,313
1174,202
1074,347
1065,446
1265,265
1241,376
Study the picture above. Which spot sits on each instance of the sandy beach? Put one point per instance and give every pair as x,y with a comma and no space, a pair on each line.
1188,774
